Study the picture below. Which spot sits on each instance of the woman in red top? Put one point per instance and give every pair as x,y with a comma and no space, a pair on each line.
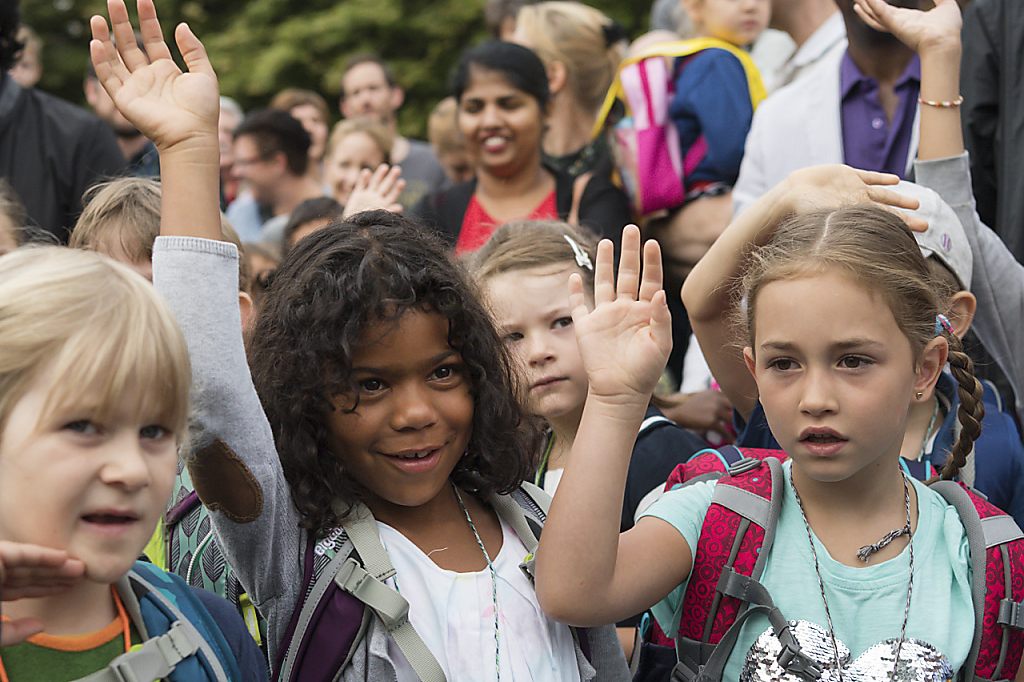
503,96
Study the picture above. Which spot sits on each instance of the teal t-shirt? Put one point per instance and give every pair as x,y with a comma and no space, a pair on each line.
866,604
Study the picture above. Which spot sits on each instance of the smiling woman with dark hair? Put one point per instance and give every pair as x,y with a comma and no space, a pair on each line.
503,97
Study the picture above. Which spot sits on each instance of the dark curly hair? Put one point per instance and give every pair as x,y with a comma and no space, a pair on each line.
374,267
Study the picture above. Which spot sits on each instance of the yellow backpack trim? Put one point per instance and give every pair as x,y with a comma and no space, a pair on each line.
682,48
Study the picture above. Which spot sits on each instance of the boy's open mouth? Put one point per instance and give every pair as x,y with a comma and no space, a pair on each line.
110,518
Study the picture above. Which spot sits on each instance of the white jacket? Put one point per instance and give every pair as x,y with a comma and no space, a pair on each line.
796,127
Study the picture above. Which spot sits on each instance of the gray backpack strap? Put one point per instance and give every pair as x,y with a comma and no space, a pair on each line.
509,511
982,534
366,583
753,595
537,495
154,660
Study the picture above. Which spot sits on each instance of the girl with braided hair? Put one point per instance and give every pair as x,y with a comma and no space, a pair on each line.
962,280
840,332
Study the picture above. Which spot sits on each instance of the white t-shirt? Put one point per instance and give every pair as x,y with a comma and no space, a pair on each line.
454,615
552,477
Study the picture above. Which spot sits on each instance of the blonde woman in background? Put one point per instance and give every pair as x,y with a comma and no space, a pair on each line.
581,49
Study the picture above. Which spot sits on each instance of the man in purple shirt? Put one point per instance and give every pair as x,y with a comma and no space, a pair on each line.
879,81
856,106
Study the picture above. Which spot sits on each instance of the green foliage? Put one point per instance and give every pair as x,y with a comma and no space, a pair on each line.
261,46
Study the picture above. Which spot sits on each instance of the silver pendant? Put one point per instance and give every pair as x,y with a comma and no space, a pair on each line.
918,661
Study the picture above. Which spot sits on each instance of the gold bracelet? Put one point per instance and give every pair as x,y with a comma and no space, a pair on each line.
942,104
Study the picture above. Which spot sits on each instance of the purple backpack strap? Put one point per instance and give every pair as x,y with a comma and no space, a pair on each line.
187,504
997,558
327,624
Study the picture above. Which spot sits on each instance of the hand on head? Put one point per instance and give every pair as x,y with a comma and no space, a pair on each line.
921,31
377,190
30,571
170,107
626,339
830,187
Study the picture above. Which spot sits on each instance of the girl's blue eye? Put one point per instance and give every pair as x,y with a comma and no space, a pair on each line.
82,426
154,432
512,337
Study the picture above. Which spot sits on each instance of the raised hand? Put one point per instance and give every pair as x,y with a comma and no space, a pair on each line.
626,339
29,571
170,107
935,29
829,187
377,190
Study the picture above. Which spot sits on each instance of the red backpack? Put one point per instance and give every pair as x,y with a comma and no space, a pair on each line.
735,541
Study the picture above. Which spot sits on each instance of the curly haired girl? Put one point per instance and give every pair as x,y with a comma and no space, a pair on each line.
388,417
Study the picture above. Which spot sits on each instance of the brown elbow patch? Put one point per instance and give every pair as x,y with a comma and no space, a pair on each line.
225,484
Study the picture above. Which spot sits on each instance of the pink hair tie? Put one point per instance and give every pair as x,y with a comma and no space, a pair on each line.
942,322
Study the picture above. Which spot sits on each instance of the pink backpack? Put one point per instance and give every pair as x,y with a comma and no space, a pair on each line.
734,544
650,162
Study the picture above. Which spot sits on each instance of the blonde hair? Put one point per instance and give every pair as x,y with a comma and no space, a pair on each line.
579,37
101,329
121,218
877,250
525,244
380,135
443,127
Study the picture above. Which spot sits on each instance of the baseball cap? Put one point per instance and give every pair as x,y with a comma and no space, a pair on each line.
945,238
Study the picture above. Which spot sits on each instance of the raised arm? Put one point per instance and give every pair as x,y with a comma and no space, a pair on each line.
235,465
624,341
942,165
709,293
177,110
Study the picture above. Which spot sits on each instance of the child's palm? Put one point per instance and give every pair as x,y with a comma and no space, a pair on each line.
153,93
625,340
167,105
621,346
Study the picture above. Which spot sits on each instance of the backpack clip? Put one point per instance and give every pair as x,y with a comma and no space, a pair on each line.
1011,614
793,660
156,659
743,466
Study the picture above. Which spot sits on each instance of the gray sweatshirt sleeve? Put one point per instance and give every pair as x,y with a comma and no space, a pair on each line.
235,468
998,279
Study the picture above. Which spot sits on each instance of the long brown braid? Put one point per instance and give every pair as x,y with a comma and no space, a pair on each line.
971,410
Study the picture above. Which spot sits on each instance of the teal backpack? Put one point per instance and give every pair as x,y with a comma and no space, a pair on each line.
182,642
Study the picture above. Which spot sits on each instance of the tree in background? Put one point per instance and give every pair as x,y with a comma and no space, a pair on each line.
261,46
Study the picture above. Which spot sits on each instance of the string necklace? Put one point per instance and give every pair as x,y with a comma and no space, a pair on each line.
892,535
494,581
